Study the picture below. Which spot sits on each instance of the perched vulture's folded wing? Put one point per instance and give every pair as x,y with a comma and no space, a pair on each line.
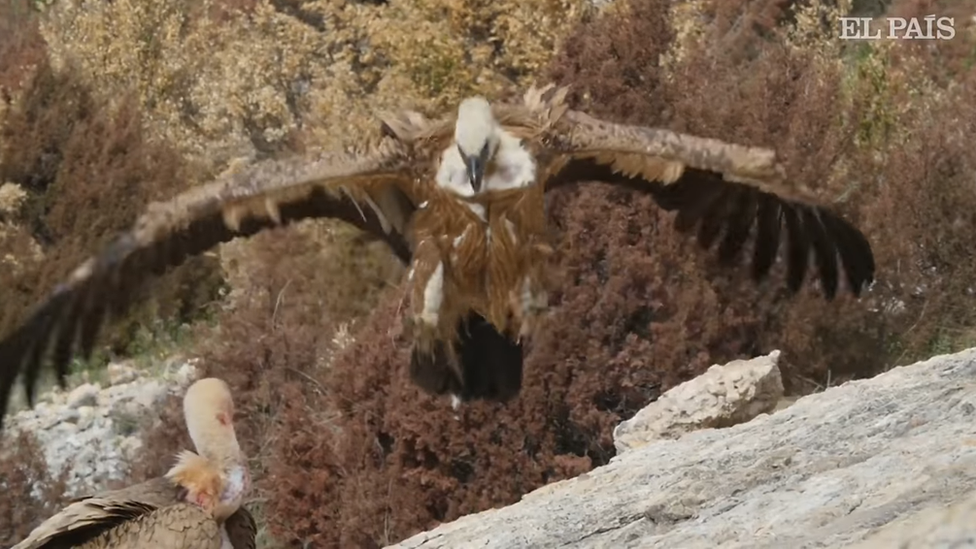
713,186
371,190
241,529
86,517
177,526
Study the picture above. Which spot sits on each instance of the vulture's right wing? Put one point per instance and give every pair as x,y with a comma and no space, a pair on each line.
373,191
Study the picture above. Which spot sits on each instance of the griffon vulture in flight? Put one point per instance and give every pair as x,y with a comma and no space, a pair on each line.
460,200
195,505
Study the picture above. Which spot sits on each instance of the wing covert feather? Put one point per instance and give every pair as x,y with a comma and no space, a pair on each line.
663,155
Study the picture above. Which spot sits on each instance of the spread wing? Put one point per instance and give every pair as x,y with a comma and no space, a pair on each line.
713,185
372,191
88,516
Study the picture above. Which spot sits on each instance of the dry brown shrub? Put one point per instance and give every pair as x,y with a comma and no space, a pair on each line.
390,461
944,60
21,44
31,493
89,171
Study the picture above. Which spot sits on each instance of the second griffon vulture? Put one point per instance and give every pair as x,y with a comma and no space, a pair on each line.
197,504
460,200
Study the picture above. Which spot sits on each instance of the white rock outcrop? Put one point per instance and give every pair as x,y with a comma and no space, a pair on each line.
94,429
723,396
878,463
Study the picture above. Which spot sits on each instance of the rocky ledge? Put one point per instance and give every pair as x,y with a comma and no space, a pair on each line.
879,463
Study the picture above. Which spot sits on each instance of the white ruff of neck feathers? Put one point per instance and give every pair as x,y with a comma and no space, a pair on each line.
219,445
237,483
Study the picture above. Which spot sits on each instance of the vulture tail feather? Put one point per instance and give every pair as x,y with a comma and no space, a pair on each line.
489,364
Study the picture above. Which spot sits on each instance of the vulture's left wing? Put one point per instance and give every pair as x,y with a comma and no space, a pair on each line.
371,190
83,520
713,185
128,524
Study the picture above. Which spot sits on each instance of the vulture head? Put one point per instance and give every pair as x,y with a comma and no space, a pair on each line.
476,134
217,477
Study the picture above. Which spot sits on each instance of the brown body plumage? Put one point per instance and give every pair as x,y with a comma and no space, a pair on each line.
460,200
196,505
485,260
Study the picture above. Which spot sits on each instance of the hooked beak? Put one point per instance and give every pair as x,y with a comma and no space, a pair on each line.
476,171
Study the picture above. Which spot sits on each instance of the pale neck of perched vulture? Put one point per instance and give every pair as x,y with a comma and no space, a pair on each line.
209,411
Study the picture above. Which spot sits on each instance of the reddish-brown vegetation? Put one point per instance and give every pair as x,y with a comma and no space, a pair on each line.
31,493
21,44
